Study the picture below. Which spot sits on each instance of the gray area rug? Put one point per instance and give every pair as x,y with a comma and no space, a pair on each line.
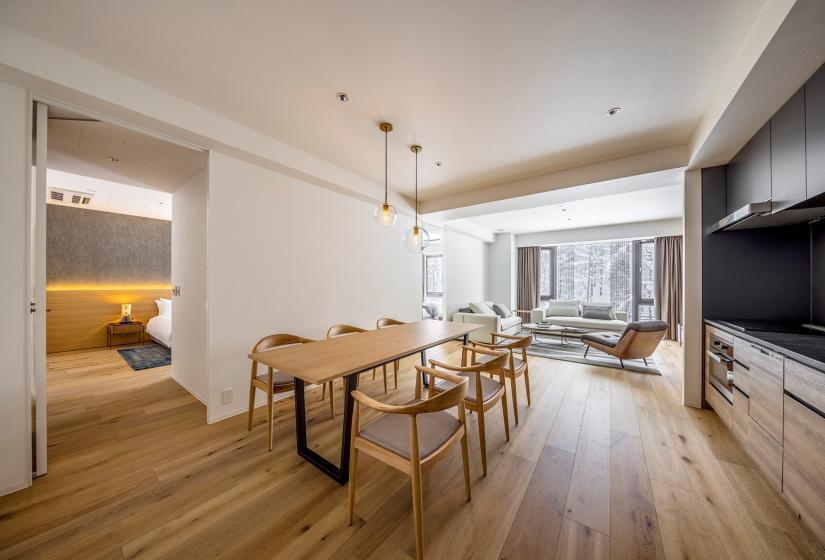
146,357
573,351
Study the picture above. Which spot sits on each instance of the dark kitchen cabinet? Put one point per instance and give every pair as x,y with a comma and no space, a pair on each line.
788,153
748,175
815,132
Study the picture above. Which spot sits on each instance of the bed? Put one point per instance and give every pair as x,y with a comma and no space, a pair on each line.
159,328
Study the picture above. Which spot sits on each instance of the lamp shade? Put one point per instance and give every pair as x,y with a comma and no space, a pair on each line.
385,215
126,313
416,239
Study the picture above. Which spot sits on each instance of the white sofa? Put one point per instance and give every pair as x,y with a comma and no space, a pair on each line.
491,322
593,325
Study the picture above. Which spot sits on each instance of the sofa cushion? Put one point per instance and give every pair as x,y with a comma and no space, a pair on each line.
590,324
502,310
563,308
482,308
510,322
465,310
603,312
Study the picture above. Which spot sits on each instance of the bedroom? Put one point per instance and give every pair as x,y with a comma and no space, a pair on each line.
109,251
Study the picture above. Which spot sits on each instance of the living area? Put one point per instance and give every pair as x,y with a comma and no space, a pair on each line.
595,278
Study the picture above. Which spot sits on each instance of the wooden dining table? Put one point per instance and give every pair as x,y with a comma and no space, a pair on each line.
346,357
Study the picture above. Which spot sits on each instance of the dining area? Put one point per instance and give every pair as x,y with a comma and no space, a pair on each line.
397,407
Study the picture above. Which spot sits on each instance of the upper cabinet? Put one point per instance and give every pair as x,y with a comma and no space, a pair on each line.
788,153
748,175
815,132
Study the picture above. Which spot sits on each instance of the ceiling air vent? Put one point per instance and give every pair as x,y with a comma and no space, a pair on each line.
69,198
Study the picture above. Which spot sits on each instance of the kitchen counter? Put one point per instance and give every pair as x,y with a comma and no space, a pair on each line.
805,347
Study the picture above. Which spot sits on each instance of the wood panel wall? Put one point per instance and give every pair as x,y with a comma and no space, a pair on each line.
77,319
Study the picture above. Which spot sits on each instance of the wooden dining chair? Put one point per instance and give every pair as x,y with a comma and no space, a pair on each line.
516,366
482,393
413,444
273,381
383,323
342,330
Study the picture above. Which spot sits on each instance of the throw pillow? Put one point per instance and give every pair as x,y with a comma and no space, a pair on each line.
602,312
465,310
502,310
431,310
481,308
562,308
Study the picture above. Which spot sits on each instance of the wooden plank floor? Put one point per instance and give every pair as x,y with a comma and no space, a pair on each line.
604,464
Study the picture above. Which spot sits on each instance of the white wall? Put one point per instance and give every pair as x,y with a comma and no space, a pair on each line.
465,271
189,271
15,430
286,256
501,269
692,289
632,230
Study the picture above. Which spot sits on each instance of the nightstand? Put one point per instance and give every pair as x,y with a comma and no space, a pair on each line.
114,329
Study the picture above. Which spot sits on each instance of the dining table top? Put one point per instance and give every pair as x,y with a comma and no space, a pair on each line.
322,361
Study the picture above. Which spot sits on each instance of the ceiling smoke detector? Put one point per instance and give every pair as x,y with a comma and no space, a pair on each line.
342,97
613,110
113,159
438,164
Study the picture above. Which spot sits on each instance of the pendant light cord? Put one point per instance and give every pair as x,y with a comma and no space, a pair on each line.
416,188
385,166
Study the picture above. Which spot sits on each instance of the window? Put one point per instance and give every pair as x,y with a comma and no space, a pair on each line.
619,272
433,275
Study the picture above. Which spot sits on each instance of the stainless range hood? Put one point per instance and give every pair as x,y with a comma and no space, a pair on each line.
758,215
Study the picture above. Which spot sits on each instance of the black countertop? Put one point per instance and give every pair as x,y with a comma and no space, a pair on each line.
803,345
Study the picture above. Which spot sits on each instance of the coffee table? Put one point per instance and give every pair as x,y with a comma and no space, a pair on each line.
553,330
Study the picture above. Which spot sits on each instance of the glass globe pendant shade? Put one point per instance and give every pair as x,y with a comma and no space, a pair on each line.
385,215
416,239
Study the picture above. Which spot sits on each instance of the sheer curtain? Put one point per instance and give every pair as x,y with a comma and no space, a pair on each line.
528,277
668,292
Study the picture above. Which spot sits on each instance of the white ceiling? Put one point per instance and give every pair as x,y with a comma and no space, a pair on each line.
83,146
114,197
495,90
638,200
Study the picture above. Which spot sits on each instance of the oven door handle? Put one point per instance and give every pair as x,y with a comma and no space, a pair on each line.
721,358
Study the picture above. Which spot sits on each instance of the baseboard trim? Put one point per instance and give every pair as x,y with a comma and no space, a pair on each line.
188,389
15,487
244,410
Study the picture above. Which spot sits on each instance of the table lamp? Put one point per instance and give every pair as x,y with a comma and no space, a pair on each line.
126,313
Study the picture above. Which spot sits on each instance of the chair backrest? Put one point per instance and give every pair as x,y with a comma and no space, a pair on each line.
640,339
513,342
276,340
454,396
385,322
339,330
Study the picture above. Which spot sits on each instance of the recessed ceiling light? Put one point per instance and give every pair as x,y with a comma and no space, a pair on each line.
342,97
438,164
113,159
613,110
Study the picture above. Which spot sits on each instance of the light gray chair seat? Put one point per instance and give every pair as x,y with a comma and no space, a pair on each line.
488,387
392,431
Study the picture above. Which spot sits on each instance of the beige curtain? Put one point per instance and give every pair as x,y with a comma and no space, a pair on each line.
528,277
668,293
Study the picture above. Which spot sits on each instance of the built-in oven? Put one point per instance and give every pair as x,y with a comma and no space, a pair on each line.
719,351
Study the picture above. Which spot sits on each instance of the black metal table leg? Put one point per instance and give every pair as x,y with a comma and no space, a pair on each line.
340,472
466,339
424,376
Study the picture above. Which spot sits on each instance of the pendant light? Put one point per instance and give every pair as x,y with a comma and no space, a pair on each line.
385,214
416,239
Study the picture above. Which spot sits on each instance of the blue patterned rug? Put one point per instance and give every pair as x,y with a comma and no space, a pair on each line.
145,357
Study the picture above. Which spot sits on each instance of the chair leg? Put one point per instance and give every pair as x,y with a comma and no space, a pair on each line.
482,440
353,476
621,363
323,391
645,361
586,350
515,398
269,413
465,458
395,372
331,402
418,513
251,407
506,416
527,385
384,371
373,374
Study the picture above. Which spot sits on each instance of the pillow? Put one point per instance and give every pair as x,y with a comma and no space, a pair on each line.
482,308
431,310
157,302
165,306
593,310
465,310
563,308
502,310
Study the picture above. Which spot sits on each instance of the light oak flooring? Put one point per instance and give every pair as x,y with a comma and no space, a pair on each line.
605,464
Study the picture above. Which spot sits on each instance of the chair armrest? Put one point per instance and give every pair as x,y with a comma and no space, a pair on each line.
488,345
382,407
508,336
536,315
621,316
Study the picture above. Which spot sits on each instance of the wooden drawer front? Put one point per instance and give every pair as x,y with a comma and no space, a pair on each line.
740,417
742,351
765,393
804,465
742,378
127,328
806,383
722,407
765,452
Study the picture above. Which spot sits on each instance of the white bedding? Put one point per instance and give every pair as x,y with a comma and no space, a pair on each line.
160,328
